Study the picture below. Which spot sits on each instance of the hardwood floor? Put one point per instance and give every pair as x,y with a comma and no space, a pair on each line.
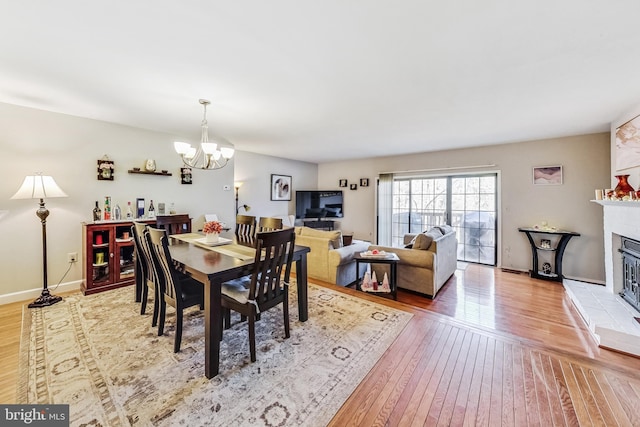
510,351
493,348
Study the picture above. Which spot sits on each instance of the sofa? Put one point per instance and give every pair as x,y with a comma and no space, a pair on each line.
329,260
427,261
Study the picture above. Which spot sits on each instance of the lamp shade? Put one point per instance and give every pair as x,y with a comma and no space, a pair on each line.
38,187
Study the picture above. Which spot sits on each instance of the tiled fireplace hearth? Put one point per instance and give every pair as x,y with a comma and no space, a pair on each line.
611,319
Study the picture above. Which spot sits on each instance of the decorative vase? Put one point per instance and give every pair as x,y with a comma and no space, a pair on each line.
212,237
623,188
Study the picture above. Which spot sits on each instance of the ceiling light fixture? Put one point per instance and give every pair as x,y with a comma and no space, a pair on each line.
207,156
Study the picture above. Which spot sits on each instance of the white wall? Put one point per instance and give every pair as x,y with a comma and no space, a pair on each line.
68,148
585,160
254,171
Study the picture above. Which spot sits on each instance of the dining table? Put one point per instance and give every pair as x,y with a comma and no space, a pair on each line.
213,264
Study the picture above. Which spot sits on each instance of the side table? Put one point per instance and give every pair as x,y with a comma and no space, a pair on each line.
536,245
391,259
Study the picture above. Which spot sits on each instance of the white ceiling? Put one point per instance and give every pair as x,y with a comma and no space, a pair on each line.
331,79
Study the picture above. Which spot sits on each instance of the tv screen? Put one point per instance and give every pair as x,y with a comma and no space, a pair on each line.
319,204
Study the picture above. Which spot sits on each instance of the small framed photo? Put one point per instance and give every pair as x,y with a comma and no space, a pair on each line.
364,182
342,183
105,169
547,175
545,244
280,187
353,187
186,176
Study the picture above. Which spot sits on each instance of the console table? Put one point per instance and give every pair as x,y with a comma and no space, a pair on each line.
535,236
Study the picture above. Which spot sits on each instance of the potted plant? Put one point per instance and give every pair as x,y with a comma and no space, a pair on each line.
212,231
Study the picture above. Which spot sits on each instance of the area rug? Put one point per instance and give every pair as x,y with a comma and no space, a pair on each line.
100,356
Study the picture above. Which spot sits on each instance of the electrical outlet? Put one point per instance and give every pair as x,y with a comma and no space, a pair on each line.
72,257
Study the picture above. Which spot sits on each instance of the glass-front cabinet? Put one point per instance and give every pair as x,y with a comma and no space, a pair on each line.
107,255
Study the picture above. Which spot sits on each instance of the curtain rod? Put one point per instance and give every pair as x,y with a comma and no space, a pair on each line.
442,169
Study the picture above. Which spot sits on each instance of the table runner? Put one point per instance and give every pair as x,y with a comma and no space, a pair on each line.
241,252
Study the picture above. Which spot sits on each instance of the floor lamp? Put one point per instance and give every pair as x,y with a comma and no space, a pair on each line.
237,186
40,187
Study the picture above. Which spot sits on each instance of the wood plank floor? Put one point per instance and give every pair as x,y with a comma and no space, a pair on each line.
493,348
509,351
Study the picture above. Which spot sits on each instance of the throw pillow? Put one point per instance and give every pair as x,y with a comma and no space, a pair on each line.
422,241
434,232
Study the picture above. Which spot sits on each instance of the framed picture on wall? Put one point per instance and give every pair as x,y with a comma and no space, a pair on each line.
280,187
628,144
353,187
364,182
342,183
186,176
105,169
547,175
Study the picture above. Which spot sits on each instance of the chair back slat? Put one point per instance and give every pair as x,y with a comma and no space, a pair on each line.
274,254
245,226
168,276
269,224
143,254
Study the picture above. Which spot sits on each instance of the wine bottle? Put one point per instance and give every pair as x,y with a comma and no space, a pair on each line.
107,208
97,212
118,212
129,211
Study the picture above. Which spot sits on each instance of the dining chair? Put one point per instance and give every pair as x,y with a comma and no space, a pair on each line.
266,287
174,224
176,289
245,226
145,268
269,224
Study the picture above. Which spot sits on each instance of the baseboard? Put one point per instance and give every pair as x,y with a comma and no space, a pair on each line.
582,279
511,270
32,294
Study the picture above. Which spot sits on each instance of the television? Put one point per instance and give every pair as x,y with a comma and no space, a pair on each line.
319,204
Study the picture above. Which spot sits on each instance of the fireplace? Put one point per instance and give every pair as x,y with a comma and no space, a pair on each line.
611,311
630,250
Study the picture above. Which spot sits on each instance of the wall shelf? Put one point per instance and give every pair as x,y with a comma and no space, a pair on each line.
163,173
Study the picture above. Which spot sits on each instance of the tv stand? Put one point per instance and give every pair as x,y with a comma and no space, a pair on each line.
318,223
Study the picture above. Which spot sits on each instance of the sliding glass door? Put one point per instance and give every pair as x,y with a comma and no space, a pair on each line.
466,202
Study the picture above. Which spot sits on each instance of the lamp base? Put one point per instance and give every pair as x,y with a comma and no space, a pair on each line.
45,299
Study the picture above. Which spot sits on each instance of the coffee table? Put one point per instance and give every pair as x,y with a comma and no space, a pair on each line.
392,260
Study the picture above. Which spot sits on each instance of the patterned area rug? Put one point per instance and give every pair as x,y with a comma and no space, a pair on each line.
98,354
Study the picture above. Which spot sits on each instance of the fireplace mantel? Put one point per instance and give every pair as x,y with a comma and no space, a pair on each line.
619,203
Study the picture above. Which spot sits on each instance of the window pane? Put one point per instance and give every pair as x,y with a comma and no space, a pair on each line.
421,203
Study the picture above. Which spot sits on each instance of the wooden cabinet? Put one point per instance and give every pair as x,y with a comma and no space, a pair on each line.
107,256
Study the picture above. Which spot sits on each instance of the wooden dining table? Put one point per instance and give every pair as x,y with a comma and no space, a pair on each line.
214,265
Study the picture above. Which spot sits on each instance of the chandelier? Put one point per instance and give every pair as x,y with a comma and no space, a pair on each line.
207,156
